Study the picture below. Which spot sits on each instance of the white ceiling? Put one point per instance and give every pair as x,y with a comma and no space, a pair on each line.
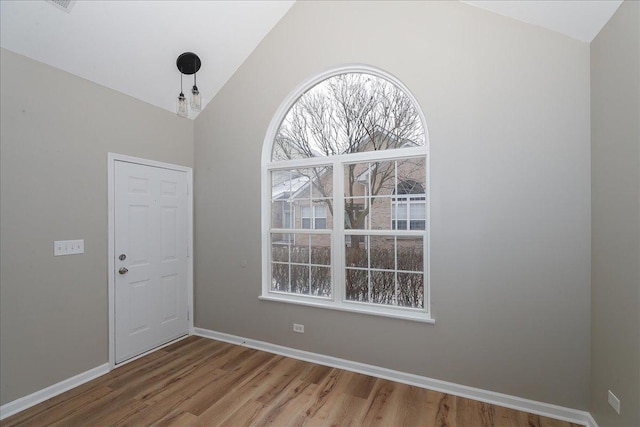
131,46
578,19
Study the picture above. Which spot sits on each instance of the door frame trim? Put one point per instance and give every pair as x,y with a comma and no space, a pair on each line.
112,158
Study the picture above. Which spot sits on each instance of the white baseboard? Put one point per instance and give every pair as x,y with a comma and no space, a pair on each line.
513,402
23,403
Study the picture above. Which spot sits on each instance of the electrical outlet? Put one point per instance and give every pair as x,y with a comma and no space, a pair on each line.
614,402
298,328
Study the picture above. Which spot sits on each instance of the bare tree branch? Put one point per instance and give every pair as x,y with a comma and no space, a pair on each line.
350,113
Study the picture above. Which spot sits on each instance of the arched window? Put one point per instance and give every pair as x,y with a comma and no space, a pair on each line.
345,197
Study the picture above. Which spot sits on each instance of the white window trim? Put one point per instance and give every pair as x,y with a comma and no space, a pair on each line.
336,302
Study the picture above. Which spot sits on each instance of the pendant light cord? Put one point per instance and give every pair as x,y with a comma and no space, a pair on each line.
195,72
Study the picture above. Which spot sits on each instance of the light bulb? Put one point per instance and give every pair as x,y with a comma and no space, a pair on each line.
181,106
196,103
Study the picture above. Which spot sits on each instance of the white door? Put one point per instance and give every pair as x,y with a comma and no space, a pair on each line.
150,242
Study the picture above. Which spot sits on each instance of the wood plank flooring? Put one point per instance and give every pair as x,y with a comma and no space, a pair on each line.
202,382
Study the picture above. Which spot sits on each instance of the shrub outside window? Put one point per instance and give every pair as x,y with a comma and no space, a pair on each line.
349,159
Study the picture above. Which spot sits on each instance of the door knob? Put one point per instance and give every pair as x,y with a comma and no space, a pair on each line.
123,270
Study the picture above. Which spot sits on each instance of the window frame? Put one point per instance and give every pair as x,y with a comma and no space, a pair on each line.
338,301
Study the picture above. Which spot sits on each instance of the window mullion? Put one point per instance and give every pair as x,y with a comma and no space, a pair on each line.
395,268
338,255
366,156
426,242
367,239
289,268
309,247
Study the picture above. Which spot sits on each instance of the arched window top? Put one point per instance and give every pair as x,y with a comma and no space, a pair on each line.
347,113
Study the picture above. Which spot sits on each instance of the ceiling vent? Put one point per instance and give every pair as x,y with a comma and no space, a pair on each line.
65,5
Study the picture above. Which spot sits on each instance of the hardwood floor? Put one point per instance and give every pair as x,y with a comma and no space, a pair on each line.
201,382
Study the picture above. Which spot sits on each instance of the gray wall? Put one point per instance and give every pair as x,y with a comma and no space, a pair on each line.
56,130
507,105
615,279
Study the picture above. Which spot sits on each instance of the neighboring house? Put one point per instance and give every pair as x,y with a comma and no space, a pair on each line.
378,195
282,209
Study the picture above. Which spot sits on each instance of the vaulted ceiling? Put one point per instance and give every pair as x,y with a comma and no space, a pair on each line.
578,19
131,46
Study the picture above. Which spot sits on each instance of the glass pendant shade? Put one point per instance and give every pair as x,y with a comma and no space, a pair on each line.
181,106
196,103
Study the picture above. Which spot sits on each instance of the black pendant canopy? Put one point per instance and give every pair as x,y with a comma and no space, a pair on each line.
188,63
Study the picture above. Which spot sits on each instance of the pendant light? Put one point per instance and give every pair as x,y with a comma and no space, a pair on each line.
181,107
195,96
188,63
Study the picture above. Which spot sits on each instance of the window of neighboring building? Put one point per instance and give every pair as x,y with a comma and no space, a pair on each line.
349,156
316,216
408,209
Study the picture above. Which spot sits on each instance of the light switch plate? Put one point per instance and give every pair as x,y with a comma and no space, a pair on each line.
68,247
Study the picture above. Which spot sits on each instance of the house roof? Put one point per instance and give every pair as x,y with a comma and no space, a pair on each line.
287,188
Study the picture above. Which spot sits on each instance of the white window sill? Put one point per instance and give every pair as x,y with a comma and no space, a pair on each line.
355,308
